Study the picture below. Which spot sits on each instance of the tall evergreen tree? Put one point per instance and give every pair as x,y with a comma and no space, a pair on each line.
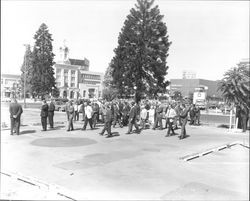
42,72
26,70
139,65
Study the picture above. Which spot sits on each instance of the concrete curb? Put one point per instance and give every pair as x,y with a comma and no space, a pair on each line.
208,151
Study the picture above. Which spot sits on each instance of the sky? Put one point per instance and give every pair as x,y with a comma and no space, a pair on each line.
208,37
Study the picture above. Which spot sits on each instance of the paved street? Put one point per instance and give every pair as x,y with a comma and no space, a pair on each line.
137,166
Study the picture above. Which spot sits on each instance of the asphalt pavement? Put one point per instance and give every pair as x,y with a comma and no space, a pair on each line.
84,165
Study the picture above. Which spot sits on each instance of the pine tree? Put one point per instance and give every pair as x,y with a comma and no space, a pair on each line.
139,65
26,70
42,72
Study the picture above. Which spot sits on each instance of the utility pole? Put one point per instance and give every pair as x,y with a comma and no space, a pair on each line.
25,71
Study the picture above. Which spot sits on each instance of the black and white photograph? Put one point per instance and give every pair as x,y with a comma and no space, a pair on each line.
125,100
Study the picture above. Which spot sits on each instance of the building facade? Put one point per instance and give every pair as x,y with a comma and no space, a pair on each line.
187,86
10,86
73,78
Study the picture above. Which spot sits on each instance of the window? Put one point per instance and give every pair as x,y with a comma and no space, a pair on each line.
72,85
73,72
1,81
84,93
66,73
58,84
72,79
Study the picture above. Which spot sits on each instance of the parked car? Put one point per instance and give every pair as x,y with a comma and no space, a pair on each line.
60,106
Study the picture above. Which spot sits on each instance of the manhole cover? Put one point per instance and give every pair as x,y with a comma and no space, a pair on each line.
63,142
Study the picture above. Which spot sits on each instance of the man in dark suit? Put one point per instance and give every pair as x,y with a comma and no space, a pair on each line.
44,114
51,110
108,120
15,110
184,119
132,119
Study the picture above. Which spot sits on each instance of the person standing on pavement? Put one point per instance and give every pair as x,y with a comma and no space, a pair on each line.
15,110
108,120
158,117
192,115
132,119
76,111
51,110
171,114
71,113
44,115
88,116
144,116
184,117
197,115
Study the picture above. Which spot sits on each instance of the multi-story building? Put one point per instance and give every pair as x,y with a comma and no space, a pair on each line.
188,75
10,86
73,78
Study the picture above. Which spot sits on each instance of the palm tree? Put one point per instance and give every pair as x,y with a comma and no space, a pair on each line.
235,86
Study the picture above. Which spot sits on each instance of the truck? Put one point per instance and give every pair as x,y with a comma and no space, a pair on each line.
199,97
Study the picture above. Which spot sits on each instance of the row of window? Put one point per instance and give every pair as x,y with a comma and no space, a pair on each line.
92,77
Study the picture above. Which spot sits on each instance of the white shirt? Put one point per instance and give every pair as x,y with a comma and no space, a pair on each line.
144,113
88,111
171,113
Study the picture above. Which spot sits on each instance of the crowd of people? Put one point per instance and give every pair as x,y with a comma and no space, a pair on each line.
143,115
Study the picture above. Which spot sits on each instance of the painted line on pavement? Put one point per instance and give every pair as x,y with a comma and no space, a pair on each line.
41,184
208,151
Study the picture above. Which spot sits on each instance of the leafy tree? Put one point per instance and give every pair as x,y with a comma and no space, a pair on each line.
177,95
109,94
108,77
139,65
235,86
43,79
26,70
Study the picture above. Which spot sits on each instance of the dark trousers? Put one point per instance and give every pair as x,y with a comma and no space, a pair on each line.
14,125
107,127
125,120
158,120
86,122
191,120
70,123
183,129
117,118
76,116
167,122
44,123
130,126
170,127
51,119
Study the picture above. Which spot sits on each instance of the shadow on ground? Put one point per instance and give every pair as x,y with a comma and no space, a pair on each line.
27,132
